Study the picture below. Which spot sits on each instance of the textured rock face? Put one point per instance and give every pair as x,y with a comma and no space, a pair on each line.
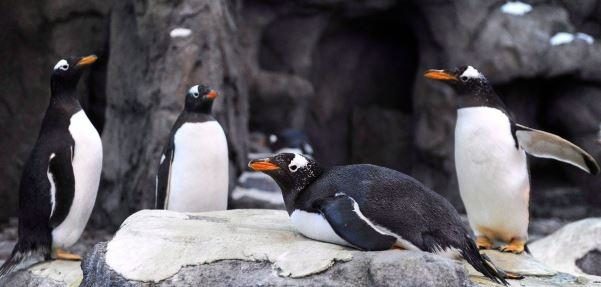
573,249
150,69
57,273
249,247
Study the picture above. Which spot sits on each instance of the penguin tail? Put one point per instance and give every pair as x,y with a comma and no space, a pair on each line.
482,263
16,257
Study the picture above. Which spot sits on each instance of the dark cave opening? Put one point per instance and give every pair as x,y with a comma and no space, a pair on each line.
362,69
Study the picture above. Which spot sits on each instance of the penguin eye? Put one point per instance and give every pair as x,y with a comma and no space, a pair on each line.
293,168
463,78
62,65
195,94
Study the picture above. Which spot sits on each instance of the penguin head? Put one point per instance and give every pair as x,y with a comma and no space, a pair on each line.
292,171
66,72
199,99
470,85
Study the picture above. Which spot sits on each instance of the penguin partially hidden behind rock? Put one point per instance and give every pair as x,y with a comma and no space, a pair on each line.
292,141
490,159
60,180
193,170
370,208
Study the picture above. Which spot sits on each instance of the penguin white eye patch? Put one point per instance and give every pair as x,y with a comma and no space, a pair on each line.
62,64
194,91
297,162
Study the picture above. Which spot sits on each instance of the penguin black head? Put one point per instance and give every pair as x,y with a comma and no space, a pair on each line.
292,171
470,85
66,72
199,99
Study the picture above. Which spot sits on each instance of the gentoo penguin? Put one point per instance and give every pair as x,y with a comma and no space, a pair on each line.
370,208
60,180
292,141
491,162
193,170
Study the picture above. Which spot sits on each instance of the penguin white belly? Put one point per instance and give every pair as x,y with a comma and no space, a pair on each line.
199,171
315,226
492,174
87,166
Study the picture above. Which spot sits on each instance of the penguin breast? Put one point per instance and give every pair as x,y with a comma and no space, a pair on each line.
199,176
87,166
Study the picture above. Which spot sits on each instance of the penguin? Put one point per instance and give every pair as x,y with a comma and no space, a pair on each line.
369,207
193,169
490,160
60,179
292,141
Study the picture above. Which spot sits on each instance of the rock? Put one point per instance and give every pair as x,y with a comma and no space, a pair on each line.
250,248
571,244
148,75
57,273
590,263
256,190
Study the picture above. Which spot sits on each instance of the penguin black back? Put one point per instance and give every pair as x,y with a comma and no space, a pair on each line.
390,203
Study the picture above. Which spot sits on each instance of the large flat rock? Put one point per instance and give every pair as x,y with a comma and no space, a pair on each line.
249,248
260,248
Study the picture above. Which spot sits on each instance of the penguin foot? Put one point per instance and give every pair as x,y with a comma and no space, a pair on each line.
483,242
516,246
65,255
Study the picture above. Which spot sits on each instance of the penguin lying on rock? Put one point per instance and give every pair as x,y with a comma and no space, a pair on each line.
370,208
491,162
60,179
193,170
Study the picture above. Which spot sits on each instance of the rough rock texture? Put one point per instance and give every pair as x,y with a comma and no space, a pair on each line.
36,34
572,248
267,250
57,273
149,73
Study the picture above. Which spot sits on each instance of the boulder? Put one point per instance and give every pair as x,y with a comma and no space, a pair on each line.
57,273
249,248
260,248
572,249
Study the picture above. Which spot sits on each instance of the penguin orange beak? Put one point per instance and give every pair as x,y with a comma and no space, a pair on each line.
212,95
263,164
440,75
86,61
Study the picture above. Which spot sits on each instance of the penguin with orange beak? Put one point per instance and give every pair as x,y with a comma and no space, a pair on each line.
370,207
60,179
193,169
490,160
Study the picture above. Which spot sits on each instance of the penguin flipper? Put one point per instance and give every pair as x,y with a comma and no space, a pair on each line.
60,172
163,176
547,145
343,214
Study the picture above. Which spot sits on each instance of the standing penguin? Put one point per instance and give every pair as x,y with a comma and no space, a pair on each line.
60,180
491,162
370,208
193,170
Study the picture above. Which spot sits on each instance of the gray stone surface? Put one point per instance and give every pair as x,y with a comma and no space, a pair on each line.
56,273
249,247
570,244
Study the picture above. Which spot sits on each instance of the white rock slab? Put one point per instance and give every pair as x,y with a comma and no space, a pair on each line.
153,245
561,249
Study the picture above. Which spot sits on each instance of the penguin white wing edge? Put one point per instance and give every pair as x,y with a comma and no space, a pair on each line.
547,145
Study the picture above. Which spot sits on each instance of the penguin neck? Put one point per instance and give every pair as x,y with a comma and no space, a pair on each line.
202,108
481,97
291,189
63,97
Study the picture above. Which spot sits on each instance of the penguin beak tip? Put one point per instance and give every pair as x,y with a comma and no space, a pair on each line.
440,75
